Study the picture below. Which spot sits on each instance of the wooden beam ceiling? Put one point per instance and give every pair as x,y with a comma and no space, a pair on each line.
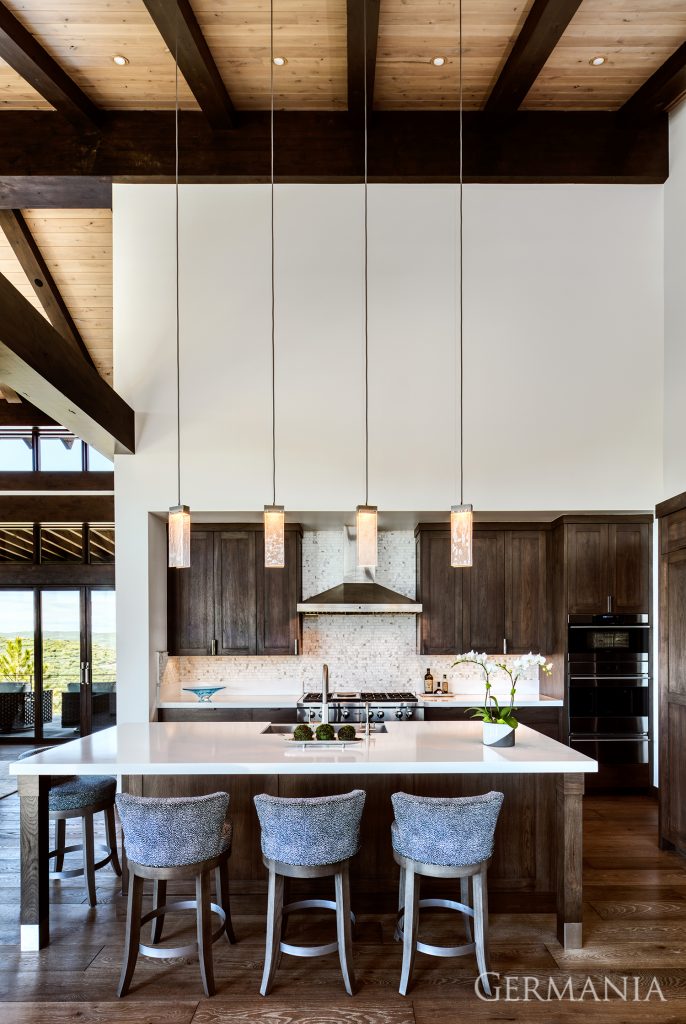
51,373
34,266
359,62
28,58
196,63
662,90
404,146
539,36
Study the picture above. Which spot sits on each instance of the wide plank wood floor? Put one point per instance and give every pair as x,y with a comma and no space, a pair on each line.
634,918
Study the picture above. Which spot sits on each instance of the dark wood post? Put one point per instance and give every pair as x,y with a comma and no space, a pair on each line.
35,868
570,791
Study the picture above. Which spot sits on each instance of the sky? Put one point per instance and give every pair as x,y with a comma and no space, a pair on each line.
60,611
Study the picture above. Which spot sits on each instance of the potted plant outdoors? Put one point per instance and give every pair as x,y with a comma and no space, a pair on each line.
499,723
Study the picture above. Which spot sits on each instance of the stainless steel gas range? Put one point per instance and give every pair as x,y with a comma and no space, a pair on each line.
357,706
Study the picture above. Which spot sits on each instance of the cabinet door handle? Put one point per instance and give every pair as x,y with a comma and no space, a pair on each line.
214,646
609,602
504,645
87,674
295,646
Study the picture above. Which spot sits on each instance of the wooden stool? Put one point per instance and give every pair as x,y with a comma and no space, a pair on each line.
202,904
171,838
444,837
309,837
277,912
409,905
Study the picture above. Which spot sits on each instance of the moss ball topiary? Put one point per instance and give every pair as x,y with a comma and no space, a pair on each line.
325,732
302,732
346,732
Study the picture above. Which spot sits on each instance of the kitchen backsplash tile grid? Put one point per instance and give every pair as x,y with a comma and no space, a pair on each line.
372,652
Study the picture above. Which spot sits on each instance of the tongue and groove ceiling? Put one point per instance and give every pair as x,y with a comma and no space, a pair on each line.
636,38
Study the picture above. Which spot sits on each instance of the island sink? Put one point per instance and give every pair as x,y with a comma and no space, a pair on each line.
286,729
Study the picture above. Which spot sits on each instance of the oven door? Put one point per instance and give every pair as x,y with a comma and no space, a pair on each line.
614,751
609,707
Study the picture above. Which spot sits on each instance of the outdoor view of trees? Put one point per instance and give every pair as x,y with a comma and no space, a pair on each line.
61,659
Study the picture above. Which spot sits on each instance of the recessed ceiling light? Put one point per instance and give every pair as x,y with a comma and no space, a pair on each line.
280,61
438,62
597,61
120,60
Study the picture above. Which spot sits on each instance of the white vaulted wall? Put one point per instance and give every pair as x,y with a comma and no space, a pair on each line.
563,359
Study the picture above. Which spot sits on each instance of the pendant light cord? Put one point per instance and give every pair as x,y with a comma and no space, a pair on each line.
461,279
366,264
271,148
176,239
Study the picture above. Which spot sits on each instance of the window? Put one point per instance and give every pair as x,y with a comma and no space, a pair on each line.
50,450
59,454
98,462
16,450
16,544
61,544
100,543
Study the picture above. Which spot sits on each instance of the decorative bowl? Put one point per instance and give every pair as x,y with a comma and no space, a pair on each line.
203,693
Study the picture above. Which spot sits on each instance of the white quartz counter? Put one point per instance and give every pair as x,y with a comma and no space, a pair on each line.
471,700
280,700
242,748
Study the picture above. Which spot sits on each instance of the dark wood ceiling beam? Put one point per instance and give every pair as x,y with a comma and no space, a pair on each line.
357,58
540,34
54,481
196,63
23,243
663,89
51,373
404,146
28,58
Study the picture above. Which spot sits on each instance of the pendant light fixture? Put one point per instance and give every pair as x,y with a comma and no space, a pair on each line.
461,516
367,556
274,515
179,522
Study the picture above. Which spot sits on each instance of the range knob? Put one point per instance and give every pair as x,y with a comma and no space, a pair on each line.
370,715
345,713
408,712
313,714
379,714
399,713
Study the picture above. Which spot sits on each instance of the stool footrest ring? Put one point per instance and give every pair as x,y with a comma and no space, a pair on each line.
330,947
429,948
167,952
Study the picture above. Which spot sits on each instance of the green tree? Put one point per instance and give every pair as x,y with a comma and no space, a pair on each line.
16,661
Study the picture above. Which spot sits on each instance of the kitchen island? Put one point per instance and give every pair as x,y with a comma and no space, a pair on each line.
537,860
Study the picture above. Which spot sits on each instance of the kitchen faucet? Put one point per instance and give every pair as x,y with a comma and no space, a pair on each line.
325,694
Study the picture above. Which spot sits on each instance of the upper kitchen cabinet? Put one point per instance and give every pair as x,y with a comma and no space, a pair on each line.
608,567
498,605
227,602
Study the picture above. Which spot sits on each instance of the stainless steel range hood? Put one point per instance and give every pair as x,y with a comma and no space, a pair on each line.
359,592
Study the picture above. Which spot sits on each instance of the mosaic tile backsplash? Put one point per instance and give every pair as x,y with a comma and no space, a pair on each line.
371,652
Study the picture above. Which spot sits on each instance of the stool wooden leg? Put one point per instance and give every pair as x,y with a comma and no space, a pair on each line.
481,927
204,914
464,898
411,926
224,898
89,857
60,842
397,935
133,933
345,941
273,944
111,833
159,898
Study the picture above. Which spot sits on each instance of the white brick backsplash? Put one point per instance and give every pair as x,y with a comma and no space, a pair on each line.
372,652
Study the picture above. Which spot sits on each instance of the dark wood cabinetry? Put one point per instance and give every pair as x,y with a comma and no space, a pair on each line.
217,713
544,719
227,603
672,756
608,567
499,602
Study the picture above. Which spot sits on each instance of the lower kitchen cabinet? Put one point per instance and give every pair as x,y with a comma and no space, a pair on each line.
193,714
545,720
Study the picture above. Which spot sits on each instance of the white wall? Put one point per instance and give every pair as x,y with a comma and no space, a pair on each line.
563,357
675,309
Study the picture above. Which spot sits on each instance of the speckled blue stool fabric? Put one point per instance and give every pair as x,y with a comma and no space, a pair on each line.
71,792
174,831
310,832
450,831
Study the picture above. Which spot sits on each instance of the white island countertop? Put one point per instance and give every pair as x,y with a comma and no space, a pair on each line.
243,748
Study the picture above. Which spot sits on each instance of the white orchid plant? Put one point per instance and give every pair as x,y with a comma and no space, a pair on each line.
492,711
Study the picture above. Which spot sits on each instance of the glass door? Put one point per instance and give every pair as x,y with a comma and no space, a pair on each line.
62,658
101,660
17,664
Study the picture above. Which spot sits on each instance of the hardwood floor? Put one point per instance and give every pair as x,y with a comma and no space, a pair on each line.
634,920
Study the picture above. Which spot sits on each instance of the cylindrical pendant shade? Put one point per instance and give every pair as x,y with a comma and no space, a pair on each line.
274,545
366,536
461,528
179,537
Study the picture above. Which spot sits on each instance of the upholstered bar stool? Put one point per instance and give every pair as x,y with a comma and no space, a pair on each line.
452,838
82,796
166,840
309,838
